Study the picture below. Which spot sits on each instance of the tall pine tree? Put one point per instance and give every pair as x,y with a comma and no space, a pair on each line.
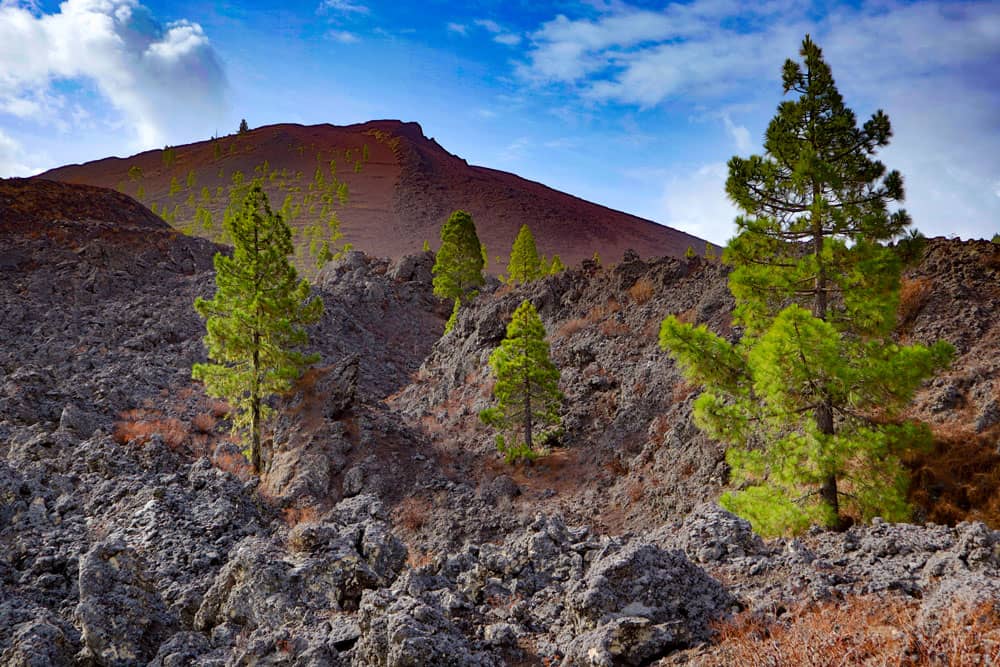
458,267
255,320
524,265
810,398
527,386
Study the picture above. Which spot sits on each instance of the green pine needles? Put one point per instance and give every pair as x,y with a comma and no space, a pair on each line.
458,267
526,389
810,399
255,320
524,265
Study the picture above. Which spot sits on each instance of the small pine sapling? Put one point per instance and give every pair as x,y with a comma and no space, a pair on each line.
526,389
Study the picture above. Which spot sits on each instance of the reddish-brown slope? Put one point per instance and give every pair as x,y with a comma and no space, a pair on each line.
399,198
28,205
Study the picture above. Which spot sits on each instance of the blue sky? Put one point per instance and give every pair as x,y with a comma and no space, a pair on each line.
635,105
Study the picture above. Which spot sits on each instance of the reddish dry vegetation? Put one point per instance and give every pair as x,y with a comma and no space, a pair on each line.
199,437
403,194
913,294
959,479
862,630
140,425
642,291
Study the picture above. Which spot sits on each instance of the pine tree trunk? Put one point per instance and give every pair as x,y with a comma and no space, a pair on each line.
527,411
255,408
828,491
824,413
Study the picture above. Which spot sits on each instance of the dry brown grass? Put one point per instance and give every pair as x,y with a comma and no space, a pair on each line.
913,294
140,430
232,462
658,428
862,630
959,479
614,328
293,516
417,559
642,291
603,311
412,513
203,422
682,391
219,409
570,327
688,316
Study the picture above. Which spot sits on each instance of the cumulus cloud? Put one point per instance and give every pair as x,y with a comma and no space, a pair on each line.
458,28
739,134
345,6
342,36
695,202
13,161
162,79
500,34
507,39
930,64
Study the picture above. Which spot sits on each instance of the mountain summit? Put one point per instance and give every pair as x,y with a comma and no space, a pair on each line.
399,187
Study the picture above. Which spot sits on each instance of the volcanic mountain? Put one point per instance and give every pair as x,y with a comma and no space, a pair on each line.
390,187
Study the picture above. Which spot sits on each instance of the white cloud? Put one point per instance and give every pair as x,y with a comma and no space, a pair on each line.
695,202
931,65
458,28
342,36
345,6
160,78
507,39
739,134
489,25
13,161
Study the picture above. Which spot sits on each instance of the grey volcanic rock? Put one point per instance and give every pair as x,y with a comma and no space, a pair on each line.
122,618
399,631
637,603
710,534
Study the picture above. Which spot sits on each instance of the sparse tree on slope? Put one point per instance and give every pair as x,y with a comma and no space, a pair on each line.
255,320
810,398
527,386
524,265
458,268
244,128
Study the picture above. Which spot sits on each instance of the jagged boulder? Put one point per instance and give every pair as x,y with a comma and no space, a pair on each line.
398,630
280,590
710,534
638,602
122,618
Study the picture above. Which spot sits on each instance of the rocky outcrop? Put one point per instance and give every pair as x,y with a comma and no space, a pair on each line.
122,618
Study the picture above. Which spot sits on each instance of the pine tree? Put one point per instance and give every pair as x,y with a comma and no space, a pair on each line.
255,320
527,386
524,265
809,400
556,266
244,127
458,268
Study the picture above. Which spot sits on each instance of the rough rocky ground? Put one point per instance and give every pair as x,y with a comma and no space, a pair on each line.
386,532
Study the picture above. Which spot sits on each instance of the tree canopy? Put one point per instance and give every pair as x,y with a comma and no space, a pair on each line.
255,319
810,399
526,388
524,265
458,267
